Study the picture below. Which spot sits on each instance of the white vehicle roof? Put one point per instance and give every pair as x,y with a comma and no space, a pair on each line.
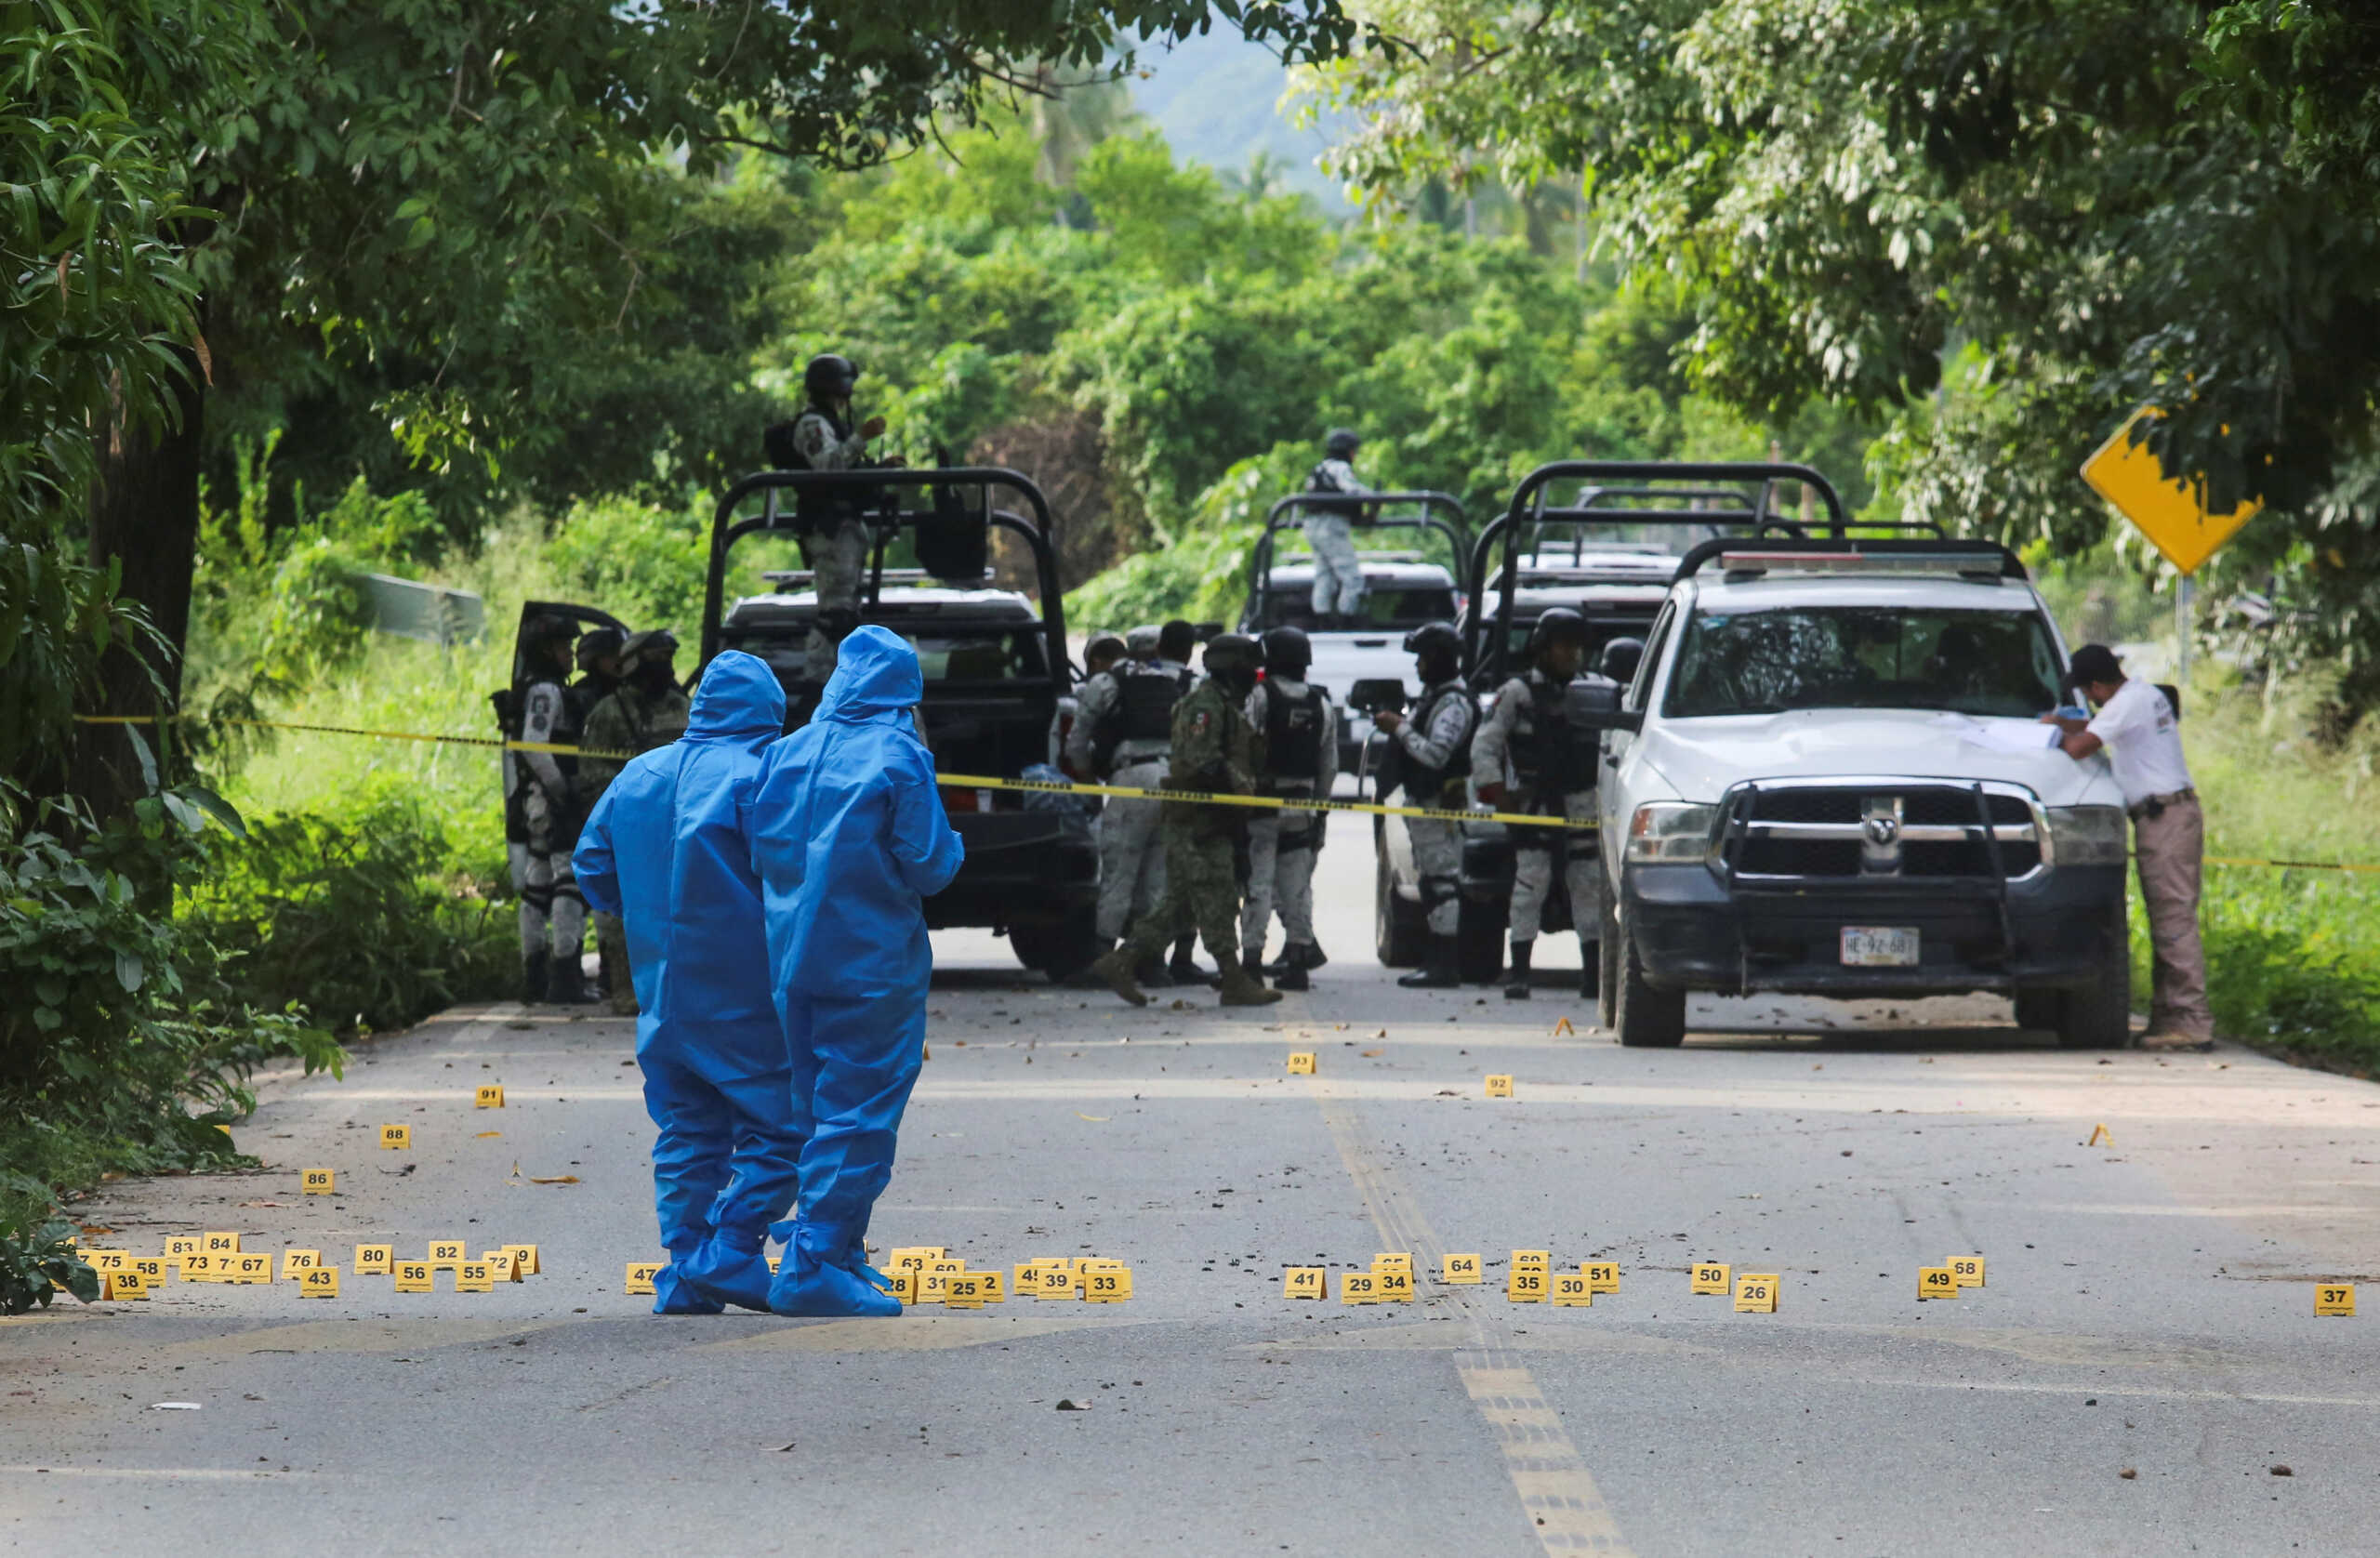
958,603
1300,576
1714,592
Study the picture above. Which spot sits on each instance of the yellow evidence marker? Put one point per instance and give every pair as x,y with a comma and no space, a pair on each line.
963,1289
125,1285
181,1244
1500,1085
524,1258
473,1277
152,1269
1460,1271
1756,1293
1603,1276
1527,1284
1937,1282
1712,1278
1562,1026
446,1252
1393,1261
318,1282
1052,1282
248,1270
374,1260
1570,1291
1359,1288
500,1265
641,1275
397,1138
200,1268
1304,1282
1967,1269
416,1276
221,1244
106,1260
904,1285
912,1258
1395,1286
1108,1285
2335,1297
2101,1136
319,1182
1301,1062
489,1096
995,1286
296,1260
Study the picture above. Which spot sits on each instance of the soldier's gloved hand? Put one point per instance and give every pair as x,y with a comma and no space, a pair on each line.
872,428
1388,720
1491,793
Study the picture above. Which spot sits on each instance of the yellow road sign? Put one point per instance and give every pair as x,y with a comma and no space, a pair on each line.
2172,514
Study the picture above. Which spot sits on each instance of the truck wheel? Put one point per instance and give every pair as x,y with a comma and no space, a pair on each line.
2039,1010
1479,941
1397,927
2098,1016
1644,1018
1060,950
1606,968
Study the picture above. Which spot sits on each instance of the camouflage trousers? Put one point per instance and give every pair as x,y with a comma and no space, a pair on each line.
837,564
1201,893
1533,862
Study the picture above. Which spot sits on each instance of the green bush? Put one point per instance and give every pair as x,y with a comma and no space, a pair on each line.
364,916
641,563
35,1267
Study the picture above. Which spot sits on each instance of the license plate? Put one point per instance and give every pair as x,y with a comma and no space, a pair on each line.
1879,947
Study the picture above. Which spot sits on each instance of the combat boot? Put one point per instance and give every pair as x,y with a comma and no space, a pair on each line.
1185,967
1118,974
1293,978
566,983
1440,970
1149,974
1516,982
1242,988
1252,963
533,979
1591,965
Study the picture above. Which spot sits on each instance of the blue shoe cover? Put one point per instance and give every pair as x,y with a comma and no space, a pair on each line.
725,1275
674,1295
814,1289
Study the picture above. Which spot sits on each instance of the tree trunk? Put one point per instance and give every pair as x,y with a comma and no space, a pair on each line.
144,515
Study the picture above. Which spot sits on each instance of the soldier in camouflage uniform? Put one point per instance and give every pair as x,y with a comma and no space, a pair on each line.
835,537
1213,750
646,710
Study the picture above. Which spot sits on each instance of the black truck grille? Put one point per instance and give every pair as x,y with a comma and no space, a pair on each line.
1930,831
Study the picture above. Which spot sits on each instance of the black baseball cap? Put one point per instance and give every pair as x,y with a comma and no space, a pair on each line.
2093,663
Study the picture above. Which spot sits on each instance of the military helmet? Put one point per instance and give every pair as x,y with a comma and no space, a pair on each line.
1558,625
659,642
1287,653
829,377
1342,443
1141,642
547,627
596,642
1232,652
1438,636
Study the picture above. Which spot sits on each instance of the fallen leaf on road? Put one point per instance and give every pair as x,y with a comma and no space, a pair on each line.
1064,1405
1368,1054
2282,1471
1096,1120
2127,1473
1448,1092
553,1179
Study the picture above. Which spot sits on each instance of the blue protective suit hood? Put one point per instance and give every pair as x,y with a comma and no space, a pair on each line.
739,696
847,833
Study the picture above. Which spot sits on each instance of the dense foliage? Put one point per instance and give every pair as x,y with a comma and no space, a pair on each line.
2016,220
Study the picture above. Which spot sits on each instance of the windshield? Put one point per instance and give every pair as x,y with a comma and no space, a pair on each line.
1384,607
1764,662
944,657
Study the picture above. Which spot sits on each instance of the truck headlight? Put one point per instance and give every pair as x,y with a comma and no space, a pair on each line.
2086,834
1670,833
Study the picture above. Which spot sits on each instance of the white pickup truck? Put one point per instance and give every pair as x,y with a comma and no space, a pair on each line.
1828,777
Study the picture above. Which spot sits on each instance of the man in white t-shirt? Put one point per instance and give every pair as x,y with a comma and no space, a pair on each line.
2141,734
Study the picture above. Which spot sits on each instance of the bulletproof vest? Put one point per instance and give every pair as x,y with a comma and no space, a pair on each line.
1145,705
1429,782
1293,733
817,510
568,722
1557,755
586,693
1319,479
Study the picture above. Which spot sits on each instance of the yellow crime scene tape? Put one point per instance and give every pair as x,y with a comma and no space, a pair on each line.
948,780
1126,792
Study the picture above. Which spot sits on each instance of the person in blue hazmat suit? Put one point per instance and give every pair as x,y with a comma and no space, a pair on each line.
847,837
665,851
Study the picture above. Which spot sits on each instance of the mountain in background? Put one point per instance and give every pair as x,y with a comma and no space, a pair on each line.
1217,100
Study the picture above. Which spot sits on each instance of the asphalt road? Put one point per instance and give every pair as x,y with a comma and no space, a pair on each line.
2144,1354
